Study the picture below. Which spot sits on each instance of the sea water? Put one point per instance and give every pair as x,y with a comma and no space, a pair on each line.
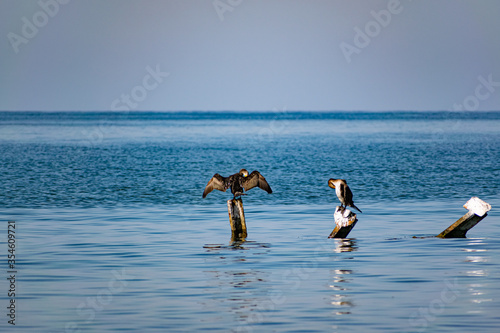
112,232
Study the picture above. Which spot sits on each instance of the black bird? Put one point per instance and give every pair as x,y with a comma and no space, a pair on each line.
343,192
238,183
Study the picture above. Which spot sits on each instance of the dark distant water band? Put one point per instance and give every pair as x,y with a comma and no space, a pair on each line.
94,159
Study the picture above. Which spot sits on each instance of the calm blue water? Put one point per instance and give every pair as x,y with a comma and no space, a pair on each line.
112,232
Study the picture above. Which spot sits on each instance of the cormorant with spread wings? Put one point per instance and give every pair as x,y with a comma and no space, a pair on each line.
238,183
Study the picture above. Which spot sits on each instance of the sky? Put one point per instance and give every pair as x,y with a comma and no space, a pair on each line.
249,55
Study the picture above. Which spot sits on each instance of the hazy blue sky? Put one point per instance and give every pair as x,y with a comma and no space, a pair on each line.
249,55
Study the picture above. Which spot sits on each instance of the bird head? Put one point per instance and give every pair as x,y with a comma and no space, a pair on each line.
331,182
244,172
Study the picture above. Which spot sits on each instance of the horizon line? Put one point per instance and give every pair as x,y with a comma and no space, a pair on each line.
248,111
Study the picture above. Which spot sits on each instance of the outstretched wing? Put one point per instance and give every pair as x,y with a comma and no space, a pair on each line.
216,183
256,179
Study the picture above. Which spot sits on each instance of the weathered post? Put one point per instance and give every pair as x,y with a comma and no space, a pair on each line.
237,219
478,210
345,220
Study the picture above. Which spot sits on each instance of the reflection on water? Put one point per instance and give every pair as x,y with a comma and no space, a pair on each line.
477,291
233,285
475,259
274,282
237,242
473,246
345,245
341,300
235,290
236,245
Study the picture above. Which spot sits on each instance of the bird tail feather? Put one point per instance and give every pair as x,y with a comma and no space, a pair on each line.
354,206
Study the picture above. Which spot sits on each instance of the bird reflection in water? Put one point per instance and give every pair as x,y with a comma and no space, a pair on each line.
345,245
237,290
236,293
340,299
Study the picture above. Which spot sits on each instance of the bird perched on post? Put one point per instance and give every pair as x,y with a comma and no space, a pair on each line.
343,192
238,183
